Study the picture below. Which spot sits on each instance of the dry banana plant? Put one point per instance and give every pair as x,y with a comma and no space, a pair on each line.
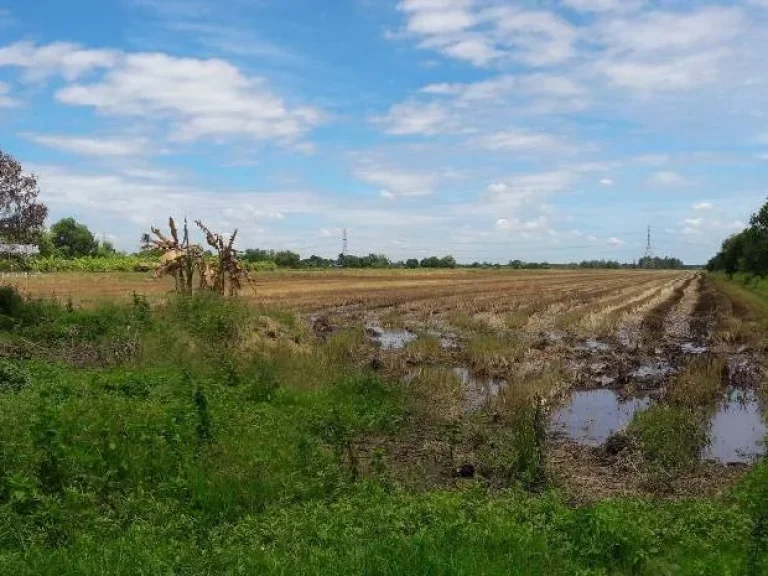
228,273
179,257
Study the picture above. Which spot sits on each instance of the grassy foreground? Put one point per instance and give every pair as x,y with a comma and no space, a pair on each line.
207,437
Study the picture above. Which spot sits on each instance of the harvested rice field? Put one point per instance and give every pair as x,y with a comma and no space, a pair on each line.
594,352
475,422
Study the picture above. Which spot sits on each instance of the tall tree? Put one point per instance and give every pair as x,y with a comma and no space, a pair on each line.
21,215
73,239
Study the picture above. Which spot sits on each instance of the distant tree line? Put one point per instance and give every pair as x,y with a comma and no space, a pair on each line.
289,259
746,251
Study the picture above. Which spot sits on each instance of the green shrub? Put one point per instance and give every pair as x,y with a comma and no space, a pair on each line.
11,302
670,438
13,377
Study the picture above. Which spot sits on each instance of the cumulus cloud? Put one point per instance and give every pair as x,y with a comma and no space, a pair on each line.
520,141
668,51
606,182
603,5
202,98
616,242
415,118
668,179
397,182
483,34
92,146
539,224
528,188
60,58
6,101
693,222
702,206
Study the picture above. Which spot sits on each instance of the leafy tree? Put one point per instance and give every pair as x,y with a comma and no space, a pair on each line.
317,262
746,251
21,216
411,263
73,239
258,255
448,262
45,244
287,259
105,249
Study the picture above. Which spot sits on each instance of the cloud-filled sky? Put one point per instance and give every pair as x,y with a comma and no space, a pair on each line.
490,129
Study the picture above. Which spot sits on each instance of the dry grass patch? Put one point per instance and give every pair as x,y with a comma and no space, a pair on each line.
494,355
699,385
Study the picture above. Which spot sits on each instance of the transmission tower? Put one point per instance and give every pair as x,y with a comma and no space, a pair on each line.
649,245
344,243
648,258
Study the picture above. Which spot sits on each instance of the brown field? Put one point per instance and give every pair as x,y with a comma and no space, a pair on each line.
312,290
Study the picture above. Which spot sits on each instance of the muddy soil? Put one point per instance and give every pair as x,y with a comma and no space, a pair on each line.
606,379
612,381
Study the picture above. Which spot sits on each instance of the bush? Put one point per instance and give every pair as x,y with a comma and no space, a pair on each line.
671,438
13,377
11,302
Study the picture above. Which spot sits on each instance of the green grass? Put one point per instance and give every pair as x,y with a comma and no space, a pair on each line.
206,452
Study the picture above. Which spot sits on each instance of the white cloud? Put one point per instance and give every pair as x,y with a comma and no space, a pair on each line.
668,51
140,201
667,179
437,17
603,5
659,31
415,118
386,194
64,58
613,241
149,174
690,231
528,188
397,182
693,222
539,224
592,238
481,34
702,206
6,101
202,98
519,141
331,232
506,85
606,182
92,146
668,75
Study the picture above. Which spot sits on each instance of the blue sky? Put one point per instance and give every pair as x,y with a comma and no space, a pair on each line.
493,130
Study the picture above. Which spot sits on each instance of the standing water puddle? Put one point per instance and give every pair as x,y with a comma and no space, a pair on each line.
391,339
738,430
591,416
477,392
